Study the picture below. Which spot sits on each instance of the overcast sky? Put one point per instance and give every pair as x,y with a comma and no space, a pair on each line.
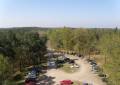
59,13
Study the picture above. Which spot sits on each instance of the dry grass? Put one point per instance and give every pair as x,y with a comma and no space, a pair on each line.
77,83
66,68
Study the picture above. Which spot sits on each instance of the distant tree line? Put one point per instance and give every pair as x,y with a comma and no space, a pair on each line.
82,41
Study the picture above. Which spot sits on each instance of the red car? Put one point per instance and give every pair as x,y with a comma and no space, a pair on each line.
66,82
30,82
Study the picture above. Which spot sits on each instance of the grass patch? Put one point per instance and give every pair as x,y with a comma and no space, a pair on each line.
77,83
67,68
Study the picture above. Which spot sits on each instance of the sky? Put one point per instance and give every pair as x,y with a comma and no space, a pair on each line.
59,13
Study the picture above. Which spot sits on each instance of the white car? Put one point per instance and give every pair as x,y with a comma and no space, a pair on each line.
51,63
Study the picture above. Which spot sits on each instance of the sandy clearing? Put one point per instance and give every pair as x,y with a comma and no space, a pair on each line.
84,74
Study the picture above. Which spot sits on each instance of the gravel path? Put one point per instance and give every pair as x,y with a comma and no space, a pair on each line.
84,74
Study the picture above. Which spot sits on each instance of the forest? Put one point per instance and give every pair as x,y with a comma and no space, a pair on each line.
103,42
23,47
20,48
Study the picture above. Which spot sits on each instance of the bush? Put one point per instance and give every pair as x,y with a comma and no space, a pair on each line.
18,76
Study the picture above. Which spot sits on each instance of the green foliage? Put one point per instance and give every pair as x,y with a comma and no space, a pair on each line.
110,46
5,69
21,48
79,40
7,82
86,41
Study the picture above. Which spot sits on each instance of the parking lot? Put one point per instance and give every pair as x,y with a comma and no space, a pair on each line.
84,74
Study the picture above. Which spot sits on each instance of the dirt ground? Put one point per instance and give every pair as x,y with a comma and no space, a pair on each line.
84,74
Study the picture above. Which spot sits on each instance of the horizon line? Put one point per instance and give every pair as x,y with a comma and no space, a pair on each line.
56,27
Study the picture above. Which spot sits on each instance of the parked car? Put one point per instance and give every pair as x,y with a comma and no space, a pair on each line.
72,62
31,75
95,68
67,59
52,64
93,62
66,82
30,82
36,69
85,84
80,55
89,60
60,61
